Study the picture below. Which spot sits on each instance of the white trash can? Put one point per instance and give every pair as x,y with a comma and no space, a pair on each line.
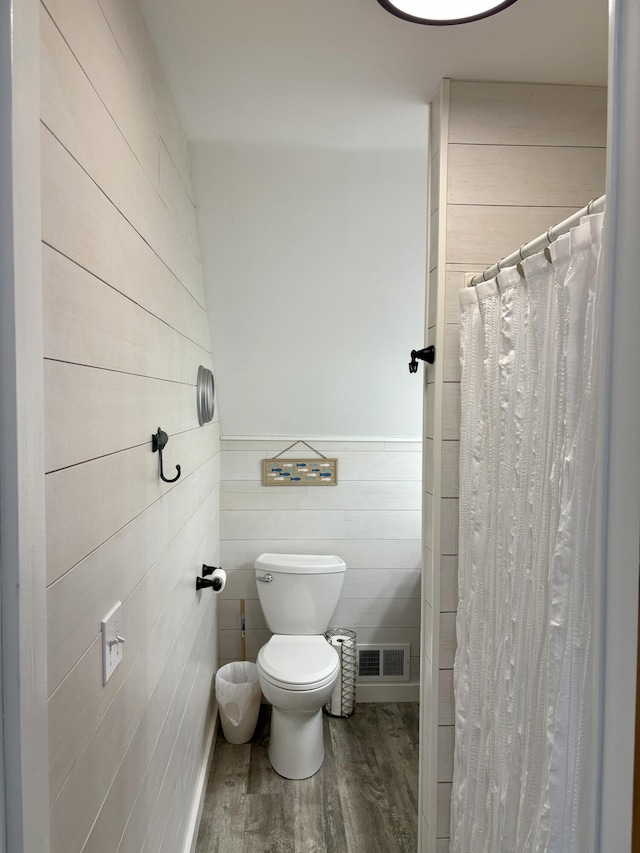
238,694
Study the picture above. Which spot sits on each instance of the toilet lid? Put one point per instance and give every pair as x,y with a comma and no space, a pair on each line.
298,662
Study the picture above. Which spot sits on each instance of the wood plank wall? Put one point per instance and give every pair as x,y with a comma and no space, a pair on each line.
371,519
125,329
507,162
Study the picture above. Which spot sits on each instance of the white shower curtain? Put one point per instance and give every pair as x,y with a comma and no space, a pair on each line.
528,554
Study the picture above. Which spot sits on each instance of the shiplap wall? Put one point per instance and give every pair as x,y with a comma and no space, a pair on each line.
371,519
125,329
507,162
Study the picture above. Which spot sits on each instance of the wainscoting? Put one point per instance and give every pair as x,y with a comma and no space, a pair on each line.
372,519
125,328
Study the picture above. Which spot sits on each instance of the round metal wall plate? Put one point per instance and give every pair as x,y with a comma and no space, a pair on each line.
205,395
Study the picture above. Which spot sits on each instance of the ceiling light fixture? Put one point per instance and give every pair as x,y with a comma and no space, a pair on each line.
443,12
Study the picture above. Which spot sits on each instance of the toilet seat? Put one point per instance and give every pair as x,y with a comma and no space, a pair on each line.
295,662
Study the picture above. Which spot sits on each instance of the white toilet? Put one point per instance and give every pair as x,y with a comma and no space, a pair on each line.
297,668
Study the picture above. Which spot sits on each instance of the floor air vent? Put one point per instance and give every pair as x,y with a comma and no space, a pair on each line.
384,662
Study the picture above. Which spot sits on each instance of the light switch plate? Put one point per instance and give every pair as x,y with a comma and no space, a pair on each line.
111,647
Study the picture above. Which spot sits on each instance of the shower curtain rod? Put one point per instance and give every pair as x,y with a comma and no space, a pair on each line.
541,242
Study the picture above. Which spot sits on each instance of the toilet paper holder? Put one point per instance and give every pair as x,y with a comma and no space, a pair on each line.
215,584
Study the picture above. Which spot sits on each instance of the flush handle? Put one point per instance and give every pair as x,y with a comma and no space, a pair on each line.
266,578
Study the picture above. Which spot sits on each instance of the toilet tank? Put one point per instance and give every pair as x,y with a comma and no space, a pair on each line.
303,591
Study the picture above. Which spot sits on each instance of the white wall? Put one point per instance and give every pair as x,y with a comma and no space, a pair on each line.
125,328
314,265
371,519
24,790
618,819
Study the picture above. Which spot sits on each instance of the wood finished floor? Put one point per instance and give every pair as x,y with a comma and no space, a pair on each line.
364,798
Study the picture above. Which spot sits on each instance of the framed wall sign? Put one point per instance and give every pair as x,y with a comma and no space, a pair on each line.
299,471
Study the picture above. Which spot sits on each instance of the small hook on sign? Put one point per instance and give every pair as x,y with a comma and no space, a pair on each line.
158,443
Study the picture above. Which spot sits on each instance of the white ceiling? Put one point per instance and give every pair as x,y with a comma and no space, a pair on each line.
345,73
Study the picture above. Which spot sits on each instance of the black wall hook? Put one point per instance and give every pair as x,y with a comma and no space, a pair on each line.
427,354
159,442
